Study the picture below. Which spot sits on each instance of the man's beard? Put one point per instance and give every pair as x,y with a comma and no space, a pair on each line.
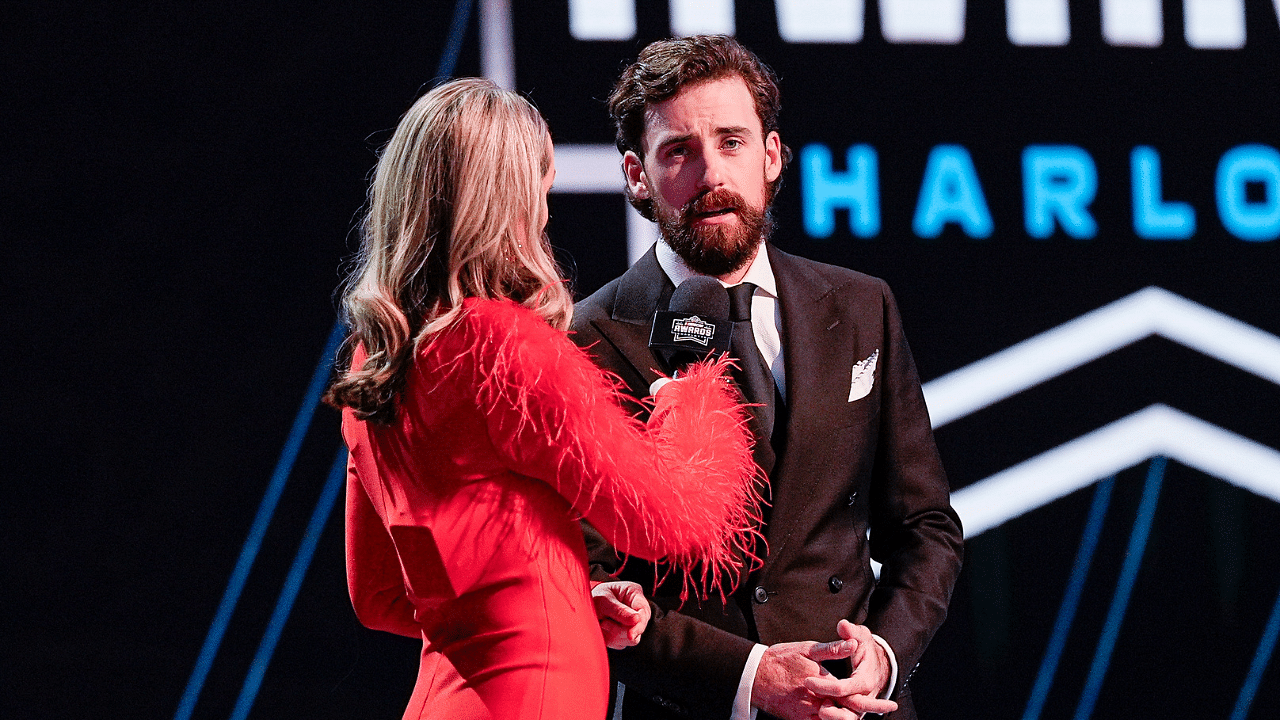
714,249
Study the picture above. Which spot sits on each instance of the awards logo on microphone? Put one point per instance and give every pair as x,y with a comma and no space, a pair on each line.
692,329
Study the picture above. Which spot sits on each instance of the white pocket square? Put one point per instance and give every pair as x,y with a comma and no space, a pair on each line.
864,376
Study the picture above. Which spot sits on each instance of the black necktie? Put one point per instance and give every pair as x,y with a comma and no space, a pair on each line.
753,376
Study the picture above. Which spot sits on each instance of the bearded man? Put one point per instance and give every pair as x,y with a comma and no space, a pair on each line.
841,426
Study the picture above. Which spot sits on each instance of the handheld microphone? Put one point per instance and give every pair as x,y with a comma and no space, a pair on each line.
695,325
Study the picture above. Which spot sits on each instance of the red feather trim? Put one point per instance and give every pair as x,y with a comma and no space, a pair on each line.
681,488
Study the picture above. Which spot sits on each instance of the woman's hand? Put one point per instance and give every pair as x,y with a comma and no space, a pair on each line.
622,611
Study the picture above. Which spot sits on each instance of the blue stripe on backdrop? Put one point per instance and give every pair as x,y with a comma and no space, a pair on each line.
457,31
292,585
266,509
1124,587
1259,665
1070,599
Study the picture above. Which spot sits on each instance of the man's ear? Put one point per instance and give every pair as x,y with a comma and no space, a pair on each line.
772,156
637,180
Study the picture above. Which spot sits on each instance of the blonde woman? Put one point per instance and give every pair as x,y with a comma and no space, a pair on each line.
479,434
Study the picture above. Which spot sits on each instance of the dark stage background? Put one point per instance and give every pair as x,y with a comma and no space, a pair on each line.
180,188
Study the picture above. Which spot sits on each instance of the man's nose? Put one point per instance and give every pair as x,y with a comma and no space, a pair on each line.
713,170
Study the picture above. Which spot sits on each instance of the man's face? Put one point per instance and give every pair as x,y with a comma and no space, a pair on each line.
707,168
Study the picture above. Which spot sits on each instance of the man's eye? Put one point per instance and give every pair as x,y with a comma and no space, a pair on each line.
733,143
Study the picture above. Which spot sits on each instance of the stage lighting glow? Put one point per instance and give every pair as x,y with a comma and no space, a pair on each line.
1216,24
701,17
602,19
1038,22
922,21
820,21
1137,23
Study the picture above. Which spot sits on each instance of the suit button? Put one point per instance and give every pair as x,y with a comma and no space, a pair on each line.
761,595
834,584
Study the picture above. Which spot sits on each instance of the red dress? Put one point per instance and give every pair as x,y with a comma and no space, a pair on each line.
462,514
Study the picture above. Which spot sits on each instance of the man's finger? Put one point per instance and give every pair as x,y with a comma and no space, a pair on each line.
868,704
835,712
834,687
848,630
834,650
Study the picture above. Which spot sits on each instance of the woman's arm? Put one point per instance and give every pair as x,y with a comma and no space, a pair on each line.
374,579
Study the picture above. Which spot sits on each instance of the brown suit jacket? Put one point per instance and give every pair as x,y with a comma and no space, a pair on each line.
841,468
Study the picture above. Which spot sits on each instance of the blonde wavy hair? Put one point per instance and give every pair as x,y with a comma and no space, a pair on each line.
455,211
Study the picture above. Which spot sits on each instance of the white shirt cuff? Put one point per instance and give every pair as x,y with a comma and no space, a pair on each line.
893,667
742,709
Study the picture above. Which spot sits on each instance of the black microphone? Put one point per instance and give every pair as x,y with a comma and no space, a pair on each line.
695,325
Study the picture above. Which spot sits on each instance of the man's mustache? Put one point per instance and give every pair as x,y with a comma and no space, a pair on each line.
711,200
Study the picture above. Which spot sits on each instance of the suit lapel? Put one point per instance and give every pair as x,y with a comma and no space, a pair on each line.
641,290
816,337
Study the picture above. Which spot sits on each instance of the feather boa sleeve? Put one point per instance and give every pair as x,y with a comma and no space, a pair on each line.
681,488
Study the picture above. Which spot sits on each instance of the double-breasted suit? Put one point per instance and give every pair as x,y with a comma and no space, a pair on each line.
851,454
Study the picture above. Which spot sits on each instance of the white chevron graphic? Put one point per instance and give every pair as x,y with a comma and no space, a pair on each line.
1150,311
1156,430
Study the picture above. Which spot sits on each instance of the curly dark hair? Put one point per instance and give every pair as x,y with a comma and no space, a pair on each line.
665,67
